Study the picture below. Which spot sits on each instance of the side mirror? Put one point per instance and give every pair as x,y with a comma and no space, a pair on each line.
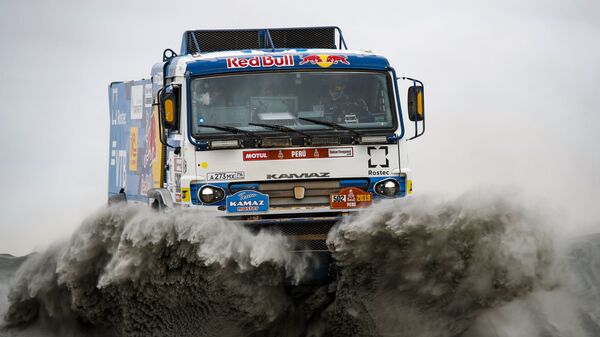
169,106
416,103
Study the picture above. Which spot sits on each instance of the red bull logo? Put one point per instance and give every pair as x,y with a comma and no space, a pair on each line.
324,61
260,61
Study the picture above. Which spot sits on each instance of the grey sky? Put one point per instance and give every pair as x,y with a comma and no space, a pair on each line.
512,94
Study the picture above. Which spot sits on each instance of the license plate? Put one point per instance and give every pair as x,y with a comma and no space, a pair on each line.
225,175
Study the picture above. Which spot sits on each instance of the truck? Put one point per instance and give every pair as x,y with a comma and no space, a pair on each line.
283,129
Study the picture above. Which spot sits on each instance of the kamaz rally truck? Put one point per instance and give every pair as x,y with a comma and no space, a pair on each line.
274,128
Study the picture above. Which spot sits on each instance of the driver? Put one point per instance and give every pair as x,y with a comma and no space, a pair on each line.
341,107
208,100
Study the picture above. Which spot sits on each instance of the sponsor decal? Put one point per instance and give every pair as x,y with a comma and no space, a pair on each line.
301,153
178,165
324,61
119,118
113,153
338,152
378,156
137,101
185,194
147,95
266,61
225,175
133,148
121,169
178,181
247,201
350,197
299,175
256,155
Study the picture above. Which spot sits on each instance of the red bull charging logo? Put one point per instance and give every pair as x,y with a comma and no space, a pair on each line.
324,61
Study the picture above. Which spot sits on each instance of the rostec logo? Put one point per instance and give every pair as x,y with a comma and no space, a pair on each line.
378,156
260,61
324,61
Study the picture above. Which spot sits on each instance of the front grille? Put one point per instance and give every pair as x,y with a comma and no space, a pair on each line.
305,235
305,231
314,245
309,231
316,193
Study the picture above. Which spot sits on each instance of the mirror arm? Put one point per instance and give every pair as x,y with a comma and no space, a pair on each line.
161,128
417,133
415,81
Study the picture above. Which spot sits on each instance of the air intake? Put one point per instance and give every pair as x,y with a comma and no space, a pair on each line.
206,41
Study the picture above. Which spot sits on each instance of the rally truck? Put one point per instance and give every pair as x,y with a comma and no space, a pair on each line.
283,129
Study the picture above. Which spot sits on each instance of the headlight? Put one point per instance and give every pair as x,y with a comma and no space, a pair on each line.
387,187
210,194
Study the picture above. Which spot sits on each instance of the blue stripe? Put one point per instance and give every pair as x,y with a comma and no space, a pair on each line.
219,65
362,183
236,187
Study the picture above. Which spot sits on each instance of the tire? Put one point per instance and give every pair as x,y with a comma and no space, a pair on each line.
158,204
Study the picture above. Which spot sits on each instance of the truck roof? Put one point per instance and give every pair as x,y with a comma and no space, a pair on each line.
299,51
206,41
220,51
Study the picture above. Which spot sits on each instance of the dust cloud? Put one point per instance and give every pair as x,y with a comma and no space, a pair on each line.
478,265
134,272
431,269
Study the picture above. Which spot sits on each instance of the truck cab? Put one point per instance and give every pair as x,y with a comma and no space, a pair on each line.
274,128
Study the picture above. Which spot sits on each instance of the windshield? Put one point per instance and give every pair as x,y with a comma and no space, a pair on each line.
293,100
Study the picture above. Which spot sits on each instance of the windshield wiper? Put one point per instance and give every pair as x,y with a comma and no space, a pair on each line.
333,125
281,128
230,129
